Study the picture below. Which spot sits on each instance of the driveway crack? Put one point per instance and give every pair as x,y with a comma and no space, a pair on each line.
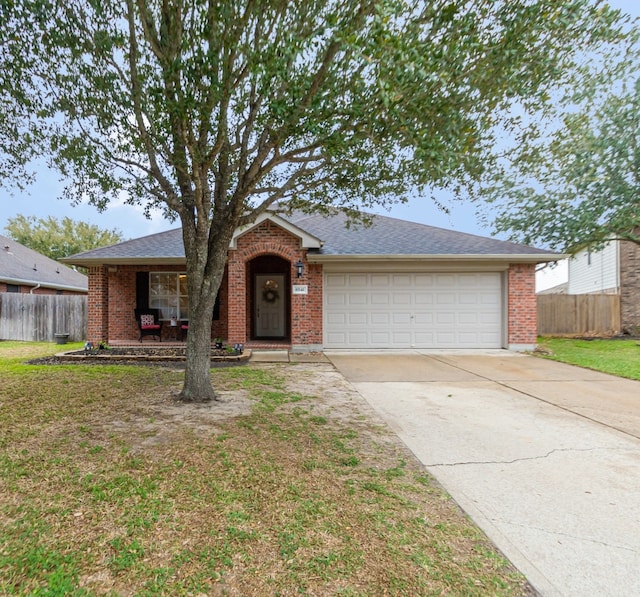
557,533
515,460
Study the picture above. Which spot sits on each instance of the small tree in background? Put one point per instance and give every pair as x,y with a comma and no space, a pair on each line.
214,110
59,238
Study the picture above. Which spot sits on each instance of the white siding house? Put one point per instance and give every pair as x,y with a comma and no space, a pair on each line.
595,271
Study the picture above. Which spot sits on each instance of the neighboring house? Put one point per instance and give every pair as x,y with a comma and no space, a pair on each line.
615,269
24,270
557,289
310,283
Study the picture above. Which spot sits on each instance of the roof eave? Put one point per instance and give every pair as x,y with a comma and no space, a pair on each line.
97,261
41,284
503,258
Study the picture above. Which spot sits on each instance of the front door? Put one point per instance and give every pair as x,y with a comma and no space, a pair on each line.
270,301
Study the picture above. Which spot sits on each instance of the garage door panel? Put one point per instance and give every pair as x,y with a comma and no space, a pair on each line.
336,319
357,318
424,298
381,281
378,298
486,299
422,319
402,280
429,310
403,319
445,318
446,339
358,280
336,281
401,298
336,299
358,298
470,318
336,338
424,339
378,318
401,338
489,319
381,338
358,338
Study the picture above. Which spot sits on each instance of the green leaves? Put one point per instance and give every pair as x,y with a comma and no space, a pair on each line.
347,97
580,184
59,238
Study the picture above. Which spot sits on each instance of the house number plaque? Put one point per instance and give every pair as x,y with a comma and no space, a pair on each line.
300,289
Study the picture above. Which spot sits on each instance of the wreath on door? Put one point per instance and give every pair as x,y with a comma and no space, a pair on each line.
270,292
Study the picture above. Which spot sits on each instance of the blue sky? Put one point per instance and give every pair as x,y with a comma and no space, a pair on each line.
41,200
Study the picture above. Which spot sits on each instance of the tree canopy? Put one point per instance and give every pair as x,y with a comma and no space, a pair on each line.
577,185
58,238
214,110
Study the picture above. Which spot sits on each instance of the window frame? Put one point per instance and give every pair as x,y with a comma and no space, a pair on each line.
163,301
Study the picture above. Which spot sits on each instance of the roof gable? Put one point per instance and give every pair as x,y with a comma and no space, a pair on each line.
308,241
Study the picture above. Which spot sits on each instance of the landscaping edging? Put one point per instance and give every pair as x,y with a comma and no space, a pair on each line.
140,354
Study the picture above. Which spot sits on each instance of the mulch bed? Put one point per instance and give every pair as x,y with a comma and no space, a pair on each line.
141,355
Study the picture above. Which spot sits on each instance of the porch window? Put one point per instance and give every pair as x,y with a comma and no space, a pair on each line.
168,292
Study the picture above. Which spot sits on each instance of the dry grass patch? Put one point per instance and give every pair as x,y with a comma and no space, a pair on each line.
291,486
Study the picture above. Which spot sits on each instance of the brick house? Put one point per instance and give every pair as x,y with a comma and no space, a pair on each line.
23,270
311,283
615,269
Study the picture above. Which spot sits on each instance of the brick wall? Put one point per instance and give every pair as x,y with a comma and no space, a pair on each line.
114,320
630,287
522,305
98,305
306,310
122,290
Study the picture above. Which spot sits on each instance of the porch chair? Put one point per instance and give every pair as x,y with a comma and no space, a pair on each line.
184,329
149,323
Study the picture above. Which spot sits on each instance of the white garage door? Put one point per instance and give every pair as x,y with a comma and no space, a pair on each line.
428,310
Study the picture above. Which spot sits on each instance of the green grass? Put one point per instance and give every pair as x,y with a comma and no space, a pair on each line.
109,487
615,356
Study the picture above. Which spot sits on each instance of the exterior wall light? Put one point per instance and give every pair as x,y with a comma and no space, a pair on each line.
299,268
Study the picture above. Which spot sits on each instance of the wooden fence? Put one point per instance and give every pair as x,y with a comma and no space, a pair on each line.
578,314
40,317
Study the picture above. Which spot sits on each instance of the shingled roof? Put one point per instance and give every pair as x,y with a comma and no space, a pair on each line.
20,265
386,237
391,236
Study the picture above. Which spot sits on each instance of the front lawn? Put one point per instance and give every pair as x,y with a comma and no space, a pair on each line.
108,487
617,356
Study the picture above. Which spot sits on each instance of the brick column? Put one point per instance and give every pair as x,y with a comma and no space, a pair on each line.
236,299
522,308
98,305
306,309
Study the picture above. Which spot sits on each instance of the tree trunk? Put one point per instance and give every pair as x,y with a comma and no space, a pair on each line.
206,259
197,376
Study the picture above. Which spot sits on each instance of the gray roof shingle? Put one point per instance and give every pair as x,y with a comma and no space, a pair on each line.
386,236
162,245
390,236
21,265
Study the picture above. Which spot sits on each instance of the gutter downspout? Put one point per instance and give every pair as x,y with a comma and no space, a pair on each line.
35,288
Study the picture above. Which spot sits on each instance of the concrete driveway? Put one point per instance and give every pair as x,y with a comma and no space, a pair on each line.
544,457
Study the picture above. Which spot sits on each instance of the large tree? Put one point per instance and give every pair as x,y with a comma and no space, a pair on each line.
217,109
58,238
574,179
